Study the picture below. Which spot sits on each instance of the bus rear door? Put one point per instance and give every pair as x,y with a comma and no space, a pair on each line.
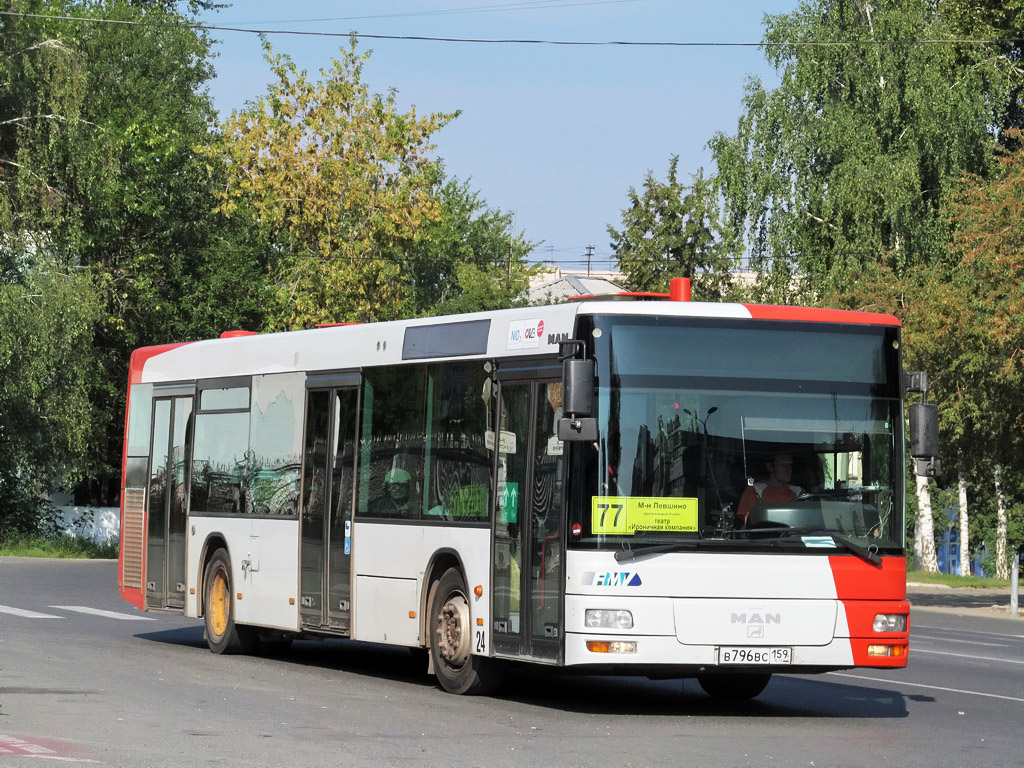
170,455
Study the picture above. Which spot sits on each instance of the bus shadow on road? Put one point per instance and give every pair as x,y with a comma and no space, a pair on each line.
387,662
785,697
192,636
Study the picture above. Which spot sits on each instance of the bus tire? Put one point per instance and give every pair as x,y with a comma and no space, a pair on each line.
456,668
734,687
222,634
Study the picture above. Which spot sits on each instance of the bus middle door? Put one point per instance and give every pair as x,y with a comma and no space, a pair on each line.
328,494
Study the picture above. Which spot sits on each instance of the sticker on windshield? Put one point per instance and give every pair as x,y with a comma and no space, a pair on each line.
626,515
823,542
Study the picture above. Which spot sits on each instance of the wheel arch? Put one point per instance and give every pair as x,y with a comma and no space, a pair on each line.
214,541
439,562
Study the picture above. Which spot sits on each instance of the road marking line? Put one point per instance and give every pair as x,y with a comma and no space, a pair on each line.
65,759
27,614
966,656
897,683
964,642
967,631
98,612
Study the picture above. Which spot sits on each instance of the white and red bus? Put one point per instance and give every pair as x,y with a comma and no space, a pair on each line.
557,485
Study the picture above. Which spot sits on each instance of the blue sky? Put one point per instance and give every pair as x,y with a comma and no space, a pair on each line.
556,134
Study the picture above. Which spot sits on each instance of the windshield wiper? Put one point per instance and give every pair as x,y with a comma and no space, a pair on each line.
626,555
868,553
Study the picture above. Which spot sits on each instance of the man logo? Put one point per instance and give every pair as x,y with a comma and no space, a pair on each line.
612,579
755,632
757,618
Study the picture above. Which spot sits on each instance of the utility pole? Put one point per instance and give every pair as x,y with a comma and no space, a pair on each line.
590,254
511,242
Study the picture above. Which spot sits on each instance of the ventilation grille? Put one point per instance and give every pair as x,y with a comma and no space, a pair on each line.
133,536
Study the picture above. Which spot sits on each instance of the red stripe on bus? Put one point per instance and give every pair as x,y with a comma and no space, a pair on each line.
142,355
811,314
135,596
865,591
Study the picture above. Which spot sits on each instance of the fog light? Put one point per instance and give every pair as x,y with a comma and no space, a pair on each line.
890,622
895,651
595,618
614,646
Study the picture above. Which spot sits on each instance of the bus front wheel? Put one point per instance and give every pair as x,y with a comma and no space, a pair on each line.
451,645
222,634
734,687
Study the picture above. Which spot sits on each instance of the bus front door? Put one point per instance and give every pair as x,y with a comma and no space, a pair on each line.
165,534
527,605
328,495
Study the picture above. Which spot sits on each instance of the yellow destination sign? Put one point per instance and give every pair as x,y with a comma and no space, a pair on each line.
625,515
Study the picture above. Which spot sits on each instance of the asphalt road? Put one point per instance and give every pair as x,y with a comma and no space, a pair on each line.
85,679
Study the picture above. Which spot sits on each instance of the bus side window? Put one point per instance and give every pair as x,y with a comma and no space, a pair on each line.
392,445
275,445
221,456
458,464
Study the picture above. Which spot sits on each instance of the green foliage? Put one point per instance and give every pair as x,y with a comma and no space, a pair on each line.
66,547
671,230
99,182
951,580
845,165
47,364
336,179
467,260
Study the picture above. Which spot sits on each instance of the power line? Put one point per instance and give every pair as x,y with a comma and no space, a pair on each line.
527,5
524,41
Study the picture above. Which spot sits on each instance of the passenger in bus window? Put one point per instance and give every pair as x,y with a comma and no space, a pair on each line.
396,501
776,488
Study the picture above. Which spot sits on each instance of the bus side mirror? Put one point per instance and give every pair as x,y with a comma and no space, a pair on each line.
578,381
578,401
924,438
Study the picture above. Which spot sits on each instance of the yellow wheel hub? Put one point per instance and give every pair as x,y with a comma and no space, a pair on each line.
220,604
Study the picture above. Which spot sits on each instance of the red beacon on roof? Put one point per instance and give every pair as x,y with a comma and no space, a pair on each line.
233,334
679,290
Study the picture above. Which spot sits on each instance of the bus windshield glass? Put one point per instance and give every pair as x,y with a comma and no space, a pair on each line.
746,434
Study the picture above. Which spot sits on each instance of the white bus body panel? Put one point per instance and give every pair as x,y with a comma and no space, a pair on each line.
356,346
759,600
264,567
390,561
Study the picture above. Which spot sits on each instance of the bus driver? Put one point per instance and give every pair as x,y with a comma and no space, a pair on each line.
776,488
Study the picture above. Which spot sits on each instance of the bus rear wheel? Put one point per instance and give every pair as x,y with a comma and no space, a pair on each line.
451,645
734,687
222,634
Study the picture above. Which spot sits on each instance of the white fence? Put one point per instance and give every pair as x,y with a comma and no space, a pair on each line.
97,523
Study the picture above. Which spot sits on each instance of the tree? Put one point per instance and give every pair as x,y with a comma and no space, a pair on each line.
671,230
47,322
336,179
962,323
846,164
468,259
98,125
988,218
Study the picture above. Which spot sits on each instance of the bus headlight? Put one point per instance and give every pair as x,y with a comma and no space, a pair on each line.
597,618
890,622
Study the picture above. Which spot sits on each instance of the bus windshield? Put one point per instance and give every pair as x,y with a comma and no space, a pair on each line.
741,433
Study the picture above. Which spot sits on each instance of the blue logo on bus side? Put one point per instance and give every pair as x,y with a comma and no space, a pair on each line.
611,579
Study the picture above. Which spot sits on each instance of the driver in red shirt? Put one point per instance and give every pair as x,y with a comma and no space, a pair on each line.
776,489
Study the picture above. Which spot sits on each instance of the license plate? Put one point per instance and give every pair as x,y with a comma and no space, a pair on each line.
734,655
